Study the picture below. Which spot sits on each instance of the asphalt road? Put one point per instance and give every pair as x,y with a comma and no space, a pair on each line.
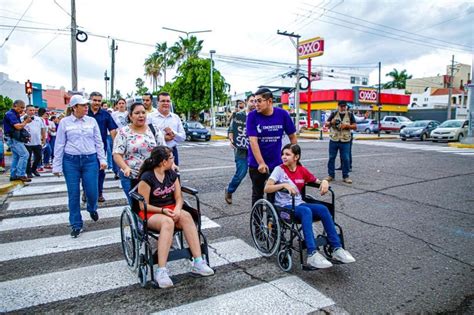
407,219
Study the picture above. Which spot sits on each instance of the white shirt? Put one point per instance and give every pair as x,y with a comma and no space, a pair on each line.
173,122
34,128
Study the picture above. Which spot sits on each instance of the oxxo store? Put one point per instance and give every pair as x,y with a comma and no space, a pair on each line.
362,99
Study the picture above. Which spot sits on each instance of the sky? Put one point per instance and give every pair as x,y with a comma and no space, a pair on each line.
419,36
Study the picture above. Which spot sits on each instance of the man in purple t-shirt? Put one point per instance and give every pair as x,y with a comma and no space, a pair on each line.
265,128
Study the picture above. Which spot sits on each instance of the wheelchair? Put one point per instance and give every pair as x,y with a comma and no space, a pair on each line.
139,240
276,229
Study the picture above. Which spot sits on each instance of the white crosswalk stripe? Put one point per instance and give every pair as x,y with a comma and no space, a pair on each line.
422,147
289,294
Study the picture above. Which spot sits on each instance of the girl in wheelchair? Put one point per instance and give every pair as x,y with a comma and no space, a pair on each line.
160,187
292,176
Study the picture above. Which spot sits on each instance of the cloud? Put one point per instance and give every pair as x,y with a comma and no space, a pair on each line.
243,28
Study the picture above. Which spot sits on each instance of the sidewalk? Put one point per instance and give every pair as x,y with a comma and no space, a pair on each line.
317,136
5,184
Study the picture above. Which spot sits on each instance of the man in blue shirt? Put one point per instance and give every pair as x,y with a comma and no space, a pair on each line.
106,123
12,126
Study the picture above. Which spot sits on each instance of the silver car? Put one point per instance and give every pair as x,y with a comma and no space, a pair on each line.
453,129
368,126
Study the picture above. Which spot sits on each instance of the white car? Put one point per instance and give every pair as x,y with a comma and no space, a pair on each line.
453,129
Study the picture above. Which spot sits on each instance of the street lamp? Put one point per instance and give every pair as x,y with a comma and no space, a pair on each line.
106,78
213,114
184,32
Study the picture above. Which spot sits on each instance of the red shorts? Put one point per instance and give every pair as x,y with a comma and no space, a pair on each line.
149,214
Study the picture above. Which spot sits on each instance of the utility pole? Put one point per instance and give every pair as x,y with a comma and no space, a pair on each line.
297,88
112,74
213,114
379,105
73,46
450,88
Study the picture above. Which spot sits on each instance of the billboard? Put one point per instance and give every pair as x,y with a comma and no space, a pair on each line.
311,48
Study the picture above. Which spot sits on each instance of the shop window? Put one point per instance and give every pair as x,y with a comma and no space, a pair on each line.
365,81
415,99
353,80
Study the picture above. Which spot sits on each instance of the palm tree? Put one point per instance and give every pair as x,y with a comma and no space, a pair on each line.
153,66
399,80
184,49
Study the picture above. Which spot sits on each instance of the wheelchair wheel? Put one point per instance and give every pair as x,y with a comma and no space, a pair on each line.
265,228
284,260
143,275
129,239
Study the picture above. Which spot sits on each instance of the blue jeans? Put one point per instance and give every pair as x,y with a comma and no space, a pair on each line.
75,169
241,166
175,153
126,186
110,161
305,212
52,140
344,150
46,153
19,158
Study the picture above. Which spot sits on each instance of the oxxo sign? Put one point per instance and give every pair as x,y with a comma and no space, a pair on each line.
311,48
367,96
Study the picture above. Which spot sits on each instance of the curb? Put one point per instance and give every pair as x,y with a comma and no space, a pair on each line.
6,188
461,145
217,137
316,137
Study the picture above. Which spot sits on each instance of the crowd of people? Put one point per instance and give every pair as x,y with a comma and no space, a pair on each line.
140,145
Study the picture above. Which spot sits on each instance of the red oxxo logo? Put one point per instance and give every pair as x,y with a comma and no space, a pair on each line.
367,96
311,48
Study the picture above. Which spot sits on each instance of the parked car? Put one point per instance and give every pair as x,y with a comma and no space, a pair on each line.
304,122
453,129
368,126
393,123
196,131
420,129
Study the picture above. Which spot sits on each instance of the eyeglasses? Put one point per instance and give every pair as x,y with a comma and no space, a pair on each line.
260,100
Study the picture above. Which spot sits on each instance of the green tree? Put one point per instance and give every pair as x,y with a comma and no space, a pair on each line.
184,49
141,88
399,79
191,91
153,69
6,104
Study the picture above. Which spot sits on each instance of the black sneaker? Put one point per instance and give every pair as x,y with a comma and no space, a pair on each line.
227,196
116,176
36,173
29,175
75,233
94,216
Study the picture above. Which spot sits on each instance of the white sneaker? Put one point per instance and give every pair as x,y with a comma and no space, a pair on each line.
342,255
201,268
162,278
318,261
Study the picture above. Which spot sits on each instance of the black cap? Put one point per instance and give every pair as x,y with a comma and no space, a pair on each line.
342,103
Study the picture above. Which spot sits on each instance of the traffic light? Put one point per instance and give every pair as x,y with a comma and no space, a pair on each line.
28,87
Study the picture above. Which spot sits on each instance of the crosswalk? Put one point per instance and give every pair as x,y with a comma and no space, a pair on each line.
221,143
34,231
421,147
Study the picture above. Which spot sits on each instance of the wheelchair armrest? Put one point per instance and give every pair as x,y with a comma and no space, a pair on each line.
135,195
189,190
313,184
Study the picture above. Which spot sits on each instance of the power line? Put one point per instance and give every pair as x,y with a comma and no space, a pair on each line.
385,26
396,38
8,36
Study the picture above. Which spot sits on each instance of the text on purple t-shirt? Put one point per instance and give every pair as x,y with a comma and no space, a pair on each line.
269,131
